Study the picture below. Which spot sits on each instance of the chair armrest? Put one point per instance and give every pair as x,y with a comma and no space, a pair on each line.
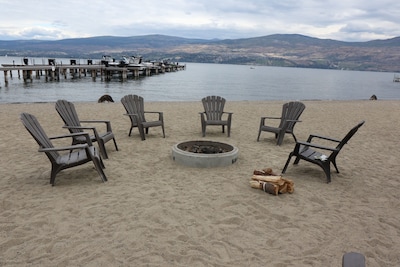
95,121
202,116
96,134
108,123
274,118
322,137
263,119
307,144
79,127
160,114
229,116
88,141
49,149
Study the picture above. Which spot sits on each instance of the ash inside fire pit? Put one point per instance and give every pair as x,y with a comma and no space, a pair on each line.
204,153
204,149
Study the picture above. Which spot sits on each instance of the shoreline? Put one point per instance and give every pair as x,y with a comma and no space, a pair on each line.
154,211
193,101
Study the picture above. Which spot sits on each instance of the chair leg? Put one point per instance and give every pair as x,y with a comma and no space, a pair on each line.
334,164
294,137
223,128
130,131
102,163
327,171
98,164
280,138
259,133
287,162
102,149
54,170
163,132
99,168
141,132
115,143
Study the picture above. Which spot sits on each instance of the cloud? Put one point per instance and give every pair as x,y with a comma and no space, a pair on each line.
350,20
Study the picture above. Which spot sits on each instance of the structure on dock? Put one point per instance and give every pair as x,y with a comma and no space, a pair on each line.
54,71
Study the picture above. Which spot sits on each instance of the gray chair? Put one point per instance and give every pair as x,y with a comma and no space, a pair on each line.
353,259
214,114
68,113
308,151
74,155
134,106
290,116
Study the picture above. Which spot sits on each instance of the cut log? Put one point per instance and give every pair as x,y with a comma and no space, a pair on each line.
273,184
269,178
270,188
268,171
283,188
256,184
290,185
255,172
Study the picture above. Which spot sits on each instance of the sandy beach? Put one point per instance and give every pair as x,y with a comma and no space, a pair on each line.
156,212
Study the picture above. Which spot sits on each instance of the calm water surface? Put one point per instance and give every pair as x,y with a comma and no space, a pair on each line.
234,82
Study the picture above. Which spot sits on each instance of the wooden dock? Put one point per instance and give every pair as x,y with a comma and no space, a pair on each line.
57,71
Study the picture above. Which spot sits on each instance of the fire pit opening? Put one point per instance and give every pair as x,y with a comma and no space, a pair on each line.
205,147
204,154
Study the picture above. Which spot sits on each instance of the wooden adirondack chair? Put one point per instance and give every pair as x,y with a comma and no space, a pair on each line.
290,116
67,112
308,151
213,114
134,106
74,155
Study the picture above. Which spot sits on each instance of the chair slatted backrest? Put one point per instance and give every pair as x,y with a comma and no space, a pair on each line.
214,107
291,111
68,113
35,129
134,104
349,135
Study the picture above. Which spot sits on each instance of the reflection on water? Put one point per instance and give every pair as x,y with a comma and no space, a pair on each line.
234,82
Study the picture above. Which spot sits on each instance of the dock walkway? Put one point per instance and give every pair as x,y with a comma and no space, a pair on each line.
55,72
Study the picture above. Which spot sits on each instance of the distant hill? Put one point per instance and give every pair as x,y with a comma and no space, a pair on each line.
289,50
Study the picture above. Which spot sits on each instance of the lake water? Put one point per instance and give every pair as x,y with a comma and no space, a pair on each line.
234,82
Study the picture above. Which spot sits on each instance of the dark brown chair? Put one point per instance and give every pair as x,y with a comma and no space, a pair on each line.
74,155
308,151
67,112
214,114
134,106
290,116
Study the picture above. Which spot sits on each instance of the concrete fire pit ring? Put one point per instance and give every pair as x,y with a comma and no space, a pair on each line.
208,154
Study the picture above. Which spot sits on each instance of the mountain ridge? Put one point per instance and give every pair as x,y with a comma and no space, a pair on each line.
286,50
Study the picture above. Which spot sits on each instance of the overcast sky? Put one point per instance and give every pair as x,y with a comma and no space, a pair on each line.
344,20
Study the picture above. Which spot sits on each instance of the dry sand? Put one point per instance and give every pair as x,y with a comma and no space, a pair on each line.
156,212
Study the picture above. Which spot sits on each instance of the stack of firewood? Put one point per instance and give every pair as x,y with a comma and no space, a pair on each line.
269,182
